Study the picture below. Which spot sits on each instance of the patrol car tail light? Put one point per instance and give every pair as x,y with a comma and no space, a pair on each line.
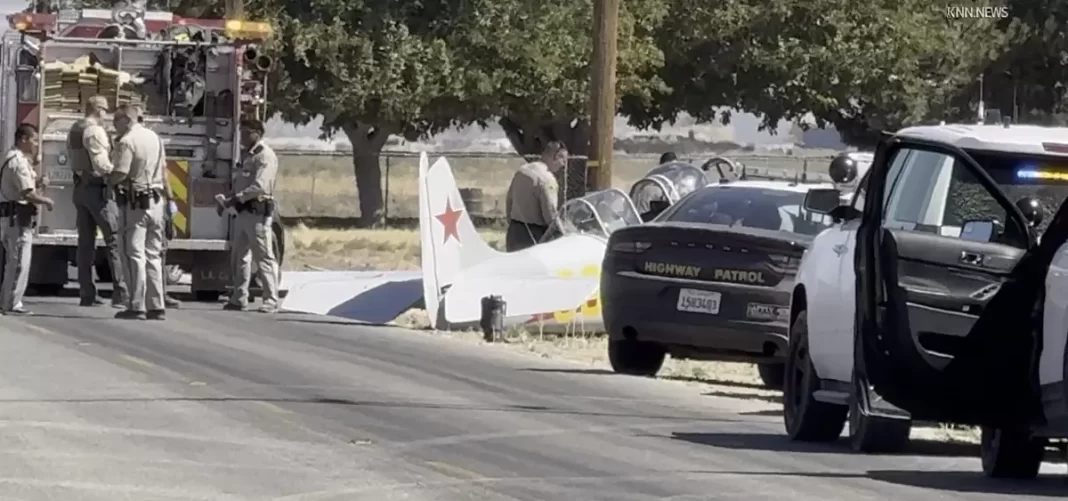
631,247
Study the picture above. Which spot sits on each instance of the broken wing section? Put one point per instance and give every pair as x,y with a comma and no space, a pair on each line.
448,239
545,281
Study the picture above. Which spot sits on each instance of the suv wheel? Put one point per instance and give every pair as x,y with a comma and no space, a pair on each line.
1011,453
807,419
772,375
869,433
637,358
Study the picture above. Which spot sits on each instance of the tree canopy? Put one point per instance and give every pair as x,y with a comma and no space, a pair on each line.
859,66
373,68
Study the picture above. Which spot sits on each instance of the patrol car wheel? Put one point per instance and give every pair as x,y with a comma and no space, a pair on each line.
772,375
807,419
872,434
636,358
1011,453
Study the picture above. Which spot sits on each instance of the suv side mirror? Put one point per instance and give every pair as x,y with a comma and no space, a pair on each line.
981,230
822,200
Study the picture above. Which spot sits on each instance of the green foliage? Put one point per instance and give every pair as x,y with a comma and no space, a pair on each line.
534,57
387,65
874,65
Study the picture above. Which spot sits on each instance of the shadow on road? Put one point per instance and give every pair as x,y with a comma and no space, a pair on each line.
368,403
953,481
775,399
972,482
606,372
766,412
779,443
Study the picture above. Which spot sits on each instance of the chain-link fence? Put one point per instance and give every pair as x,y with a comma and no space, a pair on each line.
322,183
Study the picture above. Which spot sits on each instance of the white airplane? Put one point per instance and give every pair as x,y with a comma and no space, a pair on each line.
552,286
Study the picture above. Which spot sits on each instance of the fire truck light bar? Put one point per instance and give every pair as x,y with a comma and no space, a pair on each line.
25,21
247,30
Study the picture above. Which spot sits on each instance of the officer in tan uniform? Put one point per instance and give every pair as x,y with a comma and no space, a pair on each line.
89,154
18,214
531,201
253,198
138,179
168,233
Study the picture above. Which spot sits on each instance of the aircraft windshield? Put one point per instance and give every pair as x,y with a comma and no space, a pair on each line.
598,213
665,185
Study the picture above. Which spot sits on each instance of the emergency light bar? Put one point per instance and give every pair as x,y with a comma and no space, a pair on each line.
247,30
1042,174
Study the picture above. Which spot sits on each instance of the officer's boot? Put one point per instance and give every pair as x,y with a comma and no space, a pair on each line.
130,315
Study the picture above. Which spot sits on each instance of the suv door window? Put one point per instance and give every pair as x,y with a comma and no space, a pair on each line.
936,193
896,164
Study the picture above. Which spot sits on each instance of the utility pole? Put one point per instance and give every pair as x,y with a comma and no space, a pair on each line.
603,99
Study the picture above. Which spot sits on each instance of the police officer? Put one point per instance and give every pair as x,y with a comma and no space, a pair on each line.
531,201
89,151
253,198
168,233
18,196
138,178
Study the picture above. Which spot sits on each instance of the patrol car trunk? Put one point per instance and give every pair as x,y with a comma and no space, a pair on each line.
707,253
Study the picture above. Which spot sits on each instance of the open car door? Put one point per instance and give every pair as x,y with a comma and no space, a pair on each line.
946,285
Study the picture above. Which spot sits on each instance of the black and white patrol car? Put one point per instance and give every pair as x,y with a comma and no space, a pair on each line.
710,277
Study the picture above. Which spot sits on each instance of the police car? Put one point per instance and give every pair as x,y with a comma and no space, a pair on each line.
710,277
925,299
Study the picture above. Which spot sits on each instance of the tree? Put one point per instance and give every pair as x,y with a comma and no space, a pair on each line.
1031,73
371,68
534,58
861,66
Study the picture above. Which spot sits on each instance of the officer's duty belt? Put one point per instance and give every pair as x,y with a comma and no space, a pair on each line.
18,214
261,207
139,199
89,179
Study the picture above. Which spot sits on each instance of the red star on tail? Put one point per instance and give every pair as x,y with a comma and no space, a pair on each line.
449,220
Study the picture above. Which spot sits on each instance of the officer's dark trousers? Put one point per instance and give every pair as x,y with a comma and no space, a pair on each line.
522,235
97,211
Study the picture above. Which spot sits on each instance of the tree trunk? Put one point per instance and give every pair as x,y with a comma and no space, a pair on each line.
367,142
529,137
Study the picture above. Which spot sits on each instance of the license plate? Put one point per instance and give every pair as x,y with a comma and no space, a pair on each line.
60,175
698,301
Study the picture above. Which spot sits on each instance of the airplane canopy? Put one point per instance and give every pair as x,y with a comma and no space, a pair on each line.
666,183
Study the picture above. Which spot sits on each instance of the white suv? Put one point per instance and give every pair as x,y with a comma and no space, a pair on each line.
931,282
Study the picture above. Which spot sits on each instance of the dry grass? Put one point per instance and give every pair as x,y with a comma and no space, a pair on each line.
314,185
722,379
383,249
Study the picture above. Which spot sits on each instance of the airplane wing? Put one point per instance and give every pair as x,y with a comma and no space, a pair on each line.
368,296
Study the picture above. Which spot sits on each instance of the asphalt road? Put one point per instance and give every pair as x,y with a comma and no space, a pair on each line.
226,406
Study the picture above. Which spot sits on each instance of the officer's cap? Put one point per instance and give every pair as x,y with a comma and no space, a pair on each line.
98,103
129,110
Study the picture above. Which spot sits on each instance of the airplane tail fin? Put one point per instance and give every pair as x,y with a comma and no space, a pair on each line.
448,237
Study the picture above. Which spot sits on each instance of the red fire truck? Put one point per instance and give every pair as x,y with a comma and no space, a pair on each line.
195,78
